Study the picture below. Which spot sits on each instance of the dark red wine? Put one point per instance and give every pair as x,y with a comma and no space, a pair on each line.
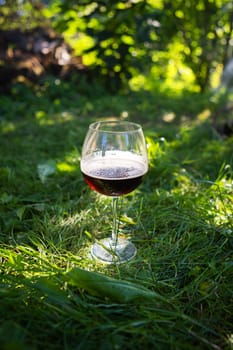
113,187
115,179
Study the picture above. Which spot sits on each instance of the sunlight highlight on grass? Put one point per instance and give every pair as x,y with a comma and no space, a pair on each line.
48,118
204,115
65,167
8,127
169,117
222,202
155,149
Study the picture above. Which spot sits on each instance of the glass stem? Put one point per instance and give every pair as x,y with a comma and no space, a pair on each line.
114,223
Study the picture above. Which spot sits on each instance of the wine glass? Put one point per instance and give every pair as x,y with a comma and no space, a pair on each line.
113,163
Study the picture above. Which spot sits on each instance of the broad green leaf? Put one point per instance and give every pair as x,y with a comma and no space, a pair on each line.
46,169
107,287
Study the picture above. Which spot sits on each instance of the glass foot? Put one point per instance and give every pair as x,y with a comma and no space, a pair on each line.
106,252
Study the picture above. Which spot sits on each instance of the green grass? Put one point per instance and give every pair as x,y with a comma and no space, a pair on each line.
180,219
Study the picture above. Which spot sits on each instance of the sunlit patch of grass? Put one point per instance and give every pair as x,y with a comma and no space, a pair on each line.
65,167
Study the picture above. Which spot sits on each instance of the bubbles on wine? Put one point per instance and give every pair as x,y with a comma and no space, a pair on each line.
115,173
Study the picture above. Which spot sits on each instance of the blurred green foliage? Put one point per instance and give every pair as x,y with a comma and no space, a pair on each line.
204,28
23,14
119,40
128,37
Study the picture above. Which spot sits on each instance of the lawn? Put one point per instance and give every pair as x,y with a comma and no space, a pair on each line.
177,292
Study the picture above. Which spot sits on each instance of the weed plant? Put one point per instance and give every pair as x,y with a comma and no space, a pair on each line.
180,219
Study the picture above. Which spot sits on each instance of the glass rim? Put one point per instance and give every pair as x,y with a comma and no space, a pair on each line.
98,126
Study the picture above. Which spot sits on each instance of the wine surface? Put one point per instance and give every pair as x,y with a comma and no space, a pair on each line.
113,177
